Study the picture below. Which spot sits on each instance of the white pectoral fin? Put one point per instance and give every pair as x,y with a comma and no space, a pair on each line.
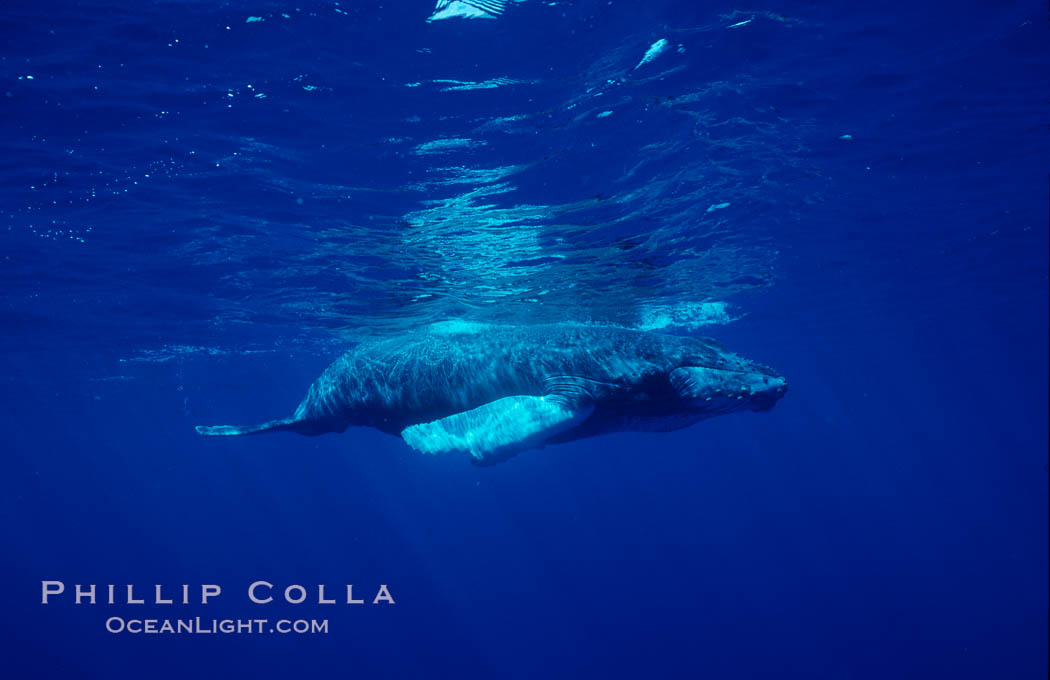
497,429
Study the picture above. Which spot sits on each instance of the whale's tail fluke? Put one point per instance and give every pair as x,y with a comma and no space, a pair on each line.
292,424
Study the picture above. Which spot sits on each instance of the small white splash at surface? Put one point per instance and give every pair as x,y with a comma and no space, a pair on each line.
469,9
456,326
654,51
450,85
447,145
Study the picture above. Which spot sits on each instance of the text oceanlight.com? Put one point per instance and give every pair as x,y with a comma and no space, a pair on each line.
198,625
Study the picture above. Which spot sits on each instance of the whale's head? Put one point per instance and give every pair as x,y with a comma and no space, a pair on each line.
765,389
745,386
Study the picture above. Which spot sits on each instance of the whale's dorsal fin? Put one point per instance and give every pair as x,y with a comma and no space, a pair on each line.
498,429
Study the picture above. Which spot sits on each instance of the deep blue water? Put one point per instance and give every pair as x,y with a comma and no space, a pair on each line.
204,203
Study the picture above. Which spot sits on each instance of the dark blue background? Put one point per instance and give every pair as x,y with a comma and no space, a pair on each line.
887,518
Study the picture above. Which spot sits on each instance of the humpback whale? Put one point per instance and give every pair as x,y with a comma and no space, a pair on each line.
492,391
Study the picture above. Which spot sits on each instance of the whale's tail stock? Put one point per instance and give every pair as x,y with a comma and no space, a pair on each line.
291,424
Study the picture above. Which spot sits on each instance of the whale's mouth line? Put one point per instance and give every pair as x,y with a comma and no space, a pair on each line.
764,372
723,390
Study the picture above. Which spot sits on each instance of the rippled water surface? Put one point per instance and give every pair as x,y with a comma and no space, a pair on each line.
352,169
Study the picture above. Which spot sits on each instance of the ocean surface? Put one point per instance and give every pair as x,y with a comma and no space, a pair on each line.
202,204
